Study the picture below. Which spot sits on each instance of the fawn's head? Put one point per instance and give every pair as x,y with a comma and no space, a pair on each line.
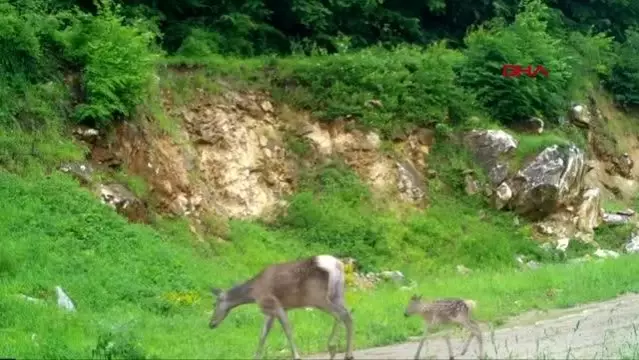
414,306
222,307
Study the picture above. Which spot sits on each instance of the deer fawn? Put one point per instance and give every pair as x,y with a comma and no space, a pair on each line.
446,311
313,282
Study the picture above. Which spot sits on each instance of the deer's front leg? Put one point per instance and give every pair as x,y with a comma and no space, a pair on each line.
421,343
268,323
283,318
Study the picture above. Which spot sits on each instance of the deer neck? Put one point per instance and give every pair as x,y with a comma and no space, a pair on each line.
241,294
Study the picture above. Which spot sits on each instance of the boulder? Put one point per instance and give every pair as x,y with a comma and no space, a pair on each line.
502,196
555,177
490,148
580,116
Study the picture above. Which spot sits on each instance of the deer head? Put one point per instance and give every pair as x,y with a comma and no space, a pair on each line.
414,306
222,307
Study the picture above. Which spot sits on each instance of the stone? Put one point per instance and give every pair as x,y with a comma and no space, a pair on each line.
491,149
266,106
588,213
461,269
580,116
472,185
88,135
409,182
79,170
121,199
64,301
616,218
632,244
555,177
395,276
502,195
604,254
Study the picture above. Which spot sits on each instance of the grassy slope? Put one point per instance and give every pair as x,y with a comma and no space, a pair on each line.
121,277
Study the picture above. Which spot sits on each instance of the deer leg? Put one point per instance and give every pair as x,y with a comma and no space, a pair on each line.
268,323
332,350
467,343
450,348
421,343
283,318
475,332
339,311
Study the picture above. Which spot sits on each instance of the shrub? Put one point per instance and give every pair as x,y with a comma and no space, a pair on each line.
200,43
524,42
624,82
594,57
117,61
413,85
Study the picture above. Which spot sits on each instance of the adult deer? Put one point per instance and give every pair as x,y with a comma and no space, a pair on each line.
312,282
446,311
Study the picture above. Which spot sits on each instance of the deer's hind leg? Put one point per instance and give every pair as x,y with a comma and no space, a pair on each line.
340,312
332,349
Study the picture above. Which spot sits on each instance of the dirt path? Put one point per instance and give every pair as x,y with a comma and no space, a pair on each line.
595,331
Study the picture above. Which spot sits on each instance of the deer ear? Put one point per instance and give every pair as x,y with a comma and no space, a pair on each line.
216,292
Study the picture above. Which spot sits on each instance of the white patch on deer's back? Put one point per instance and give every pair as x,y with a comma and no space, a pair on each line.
331,265
328,263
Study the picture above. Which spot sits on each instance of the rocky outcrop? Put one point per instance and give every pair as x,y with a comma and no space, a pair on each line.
231,155
402,173
122,200
554,178
491,149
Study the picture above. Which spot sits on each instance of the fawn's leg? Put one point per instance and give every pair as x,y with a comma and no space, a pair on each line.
268,323
475,332
467,343
283,318
450,347
421,343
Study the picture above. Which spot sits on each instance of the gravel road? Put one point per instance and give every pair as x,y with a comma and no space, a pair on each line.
602,330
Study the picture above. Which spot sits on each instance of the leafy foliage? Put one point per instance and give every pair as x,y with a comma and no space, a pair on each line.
524,42
117,62
412,85
624,82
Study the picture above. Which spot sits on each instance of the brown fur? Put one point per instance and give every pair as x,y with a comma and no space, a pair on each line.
285,286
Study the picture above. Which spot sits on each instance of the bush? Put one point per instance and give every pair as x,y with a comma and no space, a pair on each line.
413,85
524,42
117,61
27,64
624,82
594,58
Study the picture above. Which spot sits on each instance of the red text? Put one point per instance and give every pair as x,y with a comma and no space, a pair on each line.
512,70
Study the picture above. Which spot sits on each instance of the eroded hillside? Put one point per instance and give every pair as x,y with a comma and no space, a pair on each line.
240,154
